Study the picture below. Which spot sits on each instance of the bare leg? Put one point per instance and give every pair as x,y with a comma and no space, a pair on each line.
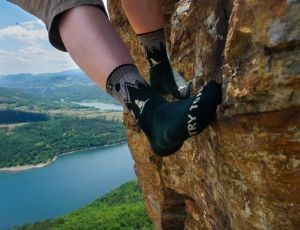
144,15
92,42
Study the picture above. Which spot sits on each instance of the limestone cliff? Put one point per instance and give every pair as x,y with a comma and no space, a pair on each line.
243,171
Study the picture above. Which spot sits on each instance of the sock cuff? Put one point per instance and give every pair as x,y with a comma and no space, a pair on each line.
152,39
118,72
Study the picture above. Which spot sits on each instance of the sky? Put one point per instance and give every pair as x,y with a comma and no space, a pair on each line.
24,45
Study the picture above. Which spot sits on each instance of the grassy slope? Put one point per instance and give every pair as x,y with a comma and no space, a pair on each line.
122,208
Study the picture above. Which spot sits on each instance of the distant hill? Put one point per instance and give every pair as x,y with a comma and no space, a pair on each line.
122,208
18,99
71,85
40,141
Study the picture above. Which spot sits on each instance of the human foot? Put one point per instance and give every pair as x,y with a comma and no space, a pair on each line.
168,124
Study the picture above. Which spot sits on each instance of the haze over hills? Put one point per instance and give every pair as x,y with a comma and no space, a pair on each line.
72,85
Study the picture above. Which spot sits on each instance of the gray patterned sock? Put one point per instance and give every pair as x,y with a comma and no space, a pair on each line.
127,86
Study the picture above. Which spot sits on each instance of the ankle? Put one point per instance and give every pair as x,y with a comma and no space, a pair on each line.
127,86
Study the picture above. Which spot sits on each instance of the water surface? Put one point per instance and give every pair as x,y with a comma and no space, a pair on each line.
100,105
70,182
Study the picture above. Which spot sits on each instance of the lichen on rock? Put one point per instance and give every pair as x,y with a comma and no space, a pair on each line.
243,171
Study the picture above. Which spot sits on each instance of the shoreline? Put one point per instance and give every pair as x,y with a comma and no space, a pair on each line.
41,165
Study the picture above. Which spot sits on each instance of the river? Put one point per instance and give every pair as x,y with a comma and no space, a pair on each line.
68,183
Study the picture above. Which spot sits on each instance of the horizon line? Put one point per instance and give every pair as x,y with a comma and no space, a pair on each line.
13,74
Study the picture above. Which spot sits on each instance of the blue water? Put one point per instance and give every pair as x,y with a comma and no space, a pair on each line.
70,182
100,105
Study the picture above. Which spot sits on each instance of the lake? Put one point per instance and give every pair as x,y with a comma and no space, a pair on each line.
68,183
100,105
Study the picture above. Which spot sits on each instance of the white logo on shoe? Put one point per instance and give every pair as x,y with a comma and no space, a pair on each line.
154,63
192,121
141,104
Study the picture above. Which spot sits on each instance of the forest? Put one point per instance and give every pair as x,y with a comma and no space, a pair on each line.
10,116
122,208
40,142
39,122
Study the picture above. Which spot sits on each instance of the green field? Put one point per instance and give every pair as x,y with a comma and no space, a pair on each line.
122,209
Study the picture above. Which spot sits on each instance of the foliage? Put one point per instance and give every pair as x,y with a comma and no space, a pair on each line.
40,142
9,116
122,209
17,99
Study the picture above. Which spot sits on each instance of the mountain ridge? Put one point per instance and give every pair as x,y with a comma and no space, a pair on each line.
71,85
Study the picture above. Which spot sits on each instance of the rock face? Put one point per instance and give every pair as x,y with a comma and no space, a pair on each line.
243,171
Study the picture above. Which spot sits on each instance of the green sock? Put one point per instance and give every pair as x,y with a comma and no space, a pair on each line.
161,76
166,124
